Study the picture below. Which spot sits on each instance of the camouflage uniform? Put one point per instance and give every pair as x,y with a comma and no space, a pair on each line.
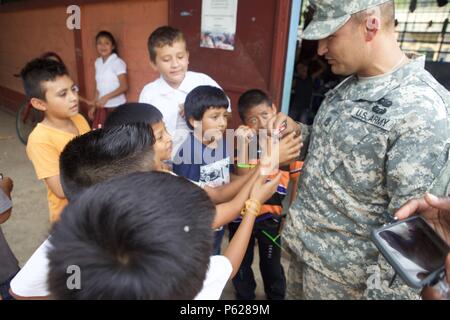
374,144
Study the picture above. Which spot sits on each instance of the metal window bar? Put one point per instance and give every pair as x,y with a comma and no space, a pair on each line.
422,26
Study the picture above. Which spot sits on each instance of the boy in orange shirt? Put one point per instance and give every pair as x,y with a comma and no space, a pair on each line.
51,90
255,110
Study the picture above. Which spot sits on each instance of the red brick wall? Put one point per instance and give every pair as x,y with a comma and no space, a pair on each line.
131,23
27,34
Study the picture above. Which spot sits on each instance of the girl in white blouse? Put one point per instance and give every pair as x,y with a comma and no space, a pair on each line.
110,79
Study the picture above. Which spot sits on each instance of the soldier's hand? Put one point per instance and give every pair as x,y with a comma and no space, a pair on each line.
282,125
436,211
429,293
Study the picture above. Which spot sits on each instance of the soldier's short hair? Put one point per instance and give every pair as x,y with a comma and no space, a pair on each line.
386,12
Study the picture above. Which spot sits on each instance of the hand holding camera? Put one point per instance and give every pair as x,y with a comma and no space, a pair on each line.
418,246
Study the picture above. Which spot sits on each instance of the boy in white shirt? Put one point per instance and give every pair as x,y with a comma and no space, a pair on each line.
170,58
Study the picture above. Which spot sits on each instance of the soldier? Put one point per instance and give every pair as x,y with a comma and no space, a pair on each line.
380,138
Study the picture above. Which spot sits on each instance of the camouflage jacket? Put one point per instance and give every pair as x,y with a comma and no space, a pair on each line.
374,144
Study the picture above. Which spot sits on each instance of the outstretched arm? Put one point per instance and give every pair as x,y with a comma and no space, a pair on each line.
228,191
228,211
238,245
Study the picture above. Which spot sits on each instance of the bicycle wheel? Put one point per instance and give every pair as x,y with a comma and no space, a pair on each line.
26,119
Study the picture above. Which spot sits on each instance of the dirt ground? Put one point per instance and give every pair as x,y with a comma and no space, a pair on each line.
29,222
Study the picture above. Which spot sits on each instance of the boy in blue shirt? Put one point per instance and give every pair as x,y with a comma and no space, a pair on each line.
204,157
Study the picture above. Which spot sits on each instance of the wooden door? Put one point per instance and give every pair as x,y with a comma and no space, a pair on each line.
258,58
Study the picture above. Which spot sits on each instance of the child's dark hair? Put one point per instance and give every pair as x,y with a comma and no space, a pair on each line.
163,36
52,55
140,236
134,112
108,35
201,99
38,71
105,153
250,99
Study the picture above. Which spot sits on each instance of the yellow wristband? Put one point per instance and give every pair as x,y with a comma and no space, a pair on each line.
251,206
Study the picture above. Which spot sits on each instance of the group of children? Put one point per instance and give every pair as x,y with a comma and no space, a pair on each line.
135,228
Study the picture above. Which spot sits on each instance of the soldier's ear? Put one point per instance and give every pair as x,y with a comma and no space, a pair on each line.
373,25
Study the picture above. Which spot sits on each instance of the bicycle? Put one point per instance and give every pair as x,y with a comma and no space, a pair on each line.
27,118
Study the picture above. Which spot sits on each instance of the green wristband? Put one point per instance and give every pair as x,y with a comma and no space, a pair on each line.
245,166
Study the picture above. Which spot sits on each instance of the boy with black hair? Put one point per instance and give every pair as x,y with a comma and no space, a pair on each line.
169,56
130,113
109,233
100,155
255,110
134,112
153,243
203,156
50,89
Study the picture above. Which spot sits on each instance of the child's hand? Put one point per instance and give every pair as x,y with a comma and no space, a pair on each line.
181,110
89,103
100,103
262,190
91,113
270,154
7,185
290,147
245,133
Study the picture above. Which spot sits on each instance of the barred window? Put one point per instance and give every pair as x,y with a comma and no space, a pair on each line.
422,27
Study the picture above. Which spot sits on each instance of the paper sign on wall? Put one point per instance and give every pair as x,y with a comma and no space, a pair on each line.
218,28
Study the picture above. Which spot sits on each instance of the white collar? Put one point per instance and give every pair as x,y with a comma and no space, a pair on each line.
112,57
165,88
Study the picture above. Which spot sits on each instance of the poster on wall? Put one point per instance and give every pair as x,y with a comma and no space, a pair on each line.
218,27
